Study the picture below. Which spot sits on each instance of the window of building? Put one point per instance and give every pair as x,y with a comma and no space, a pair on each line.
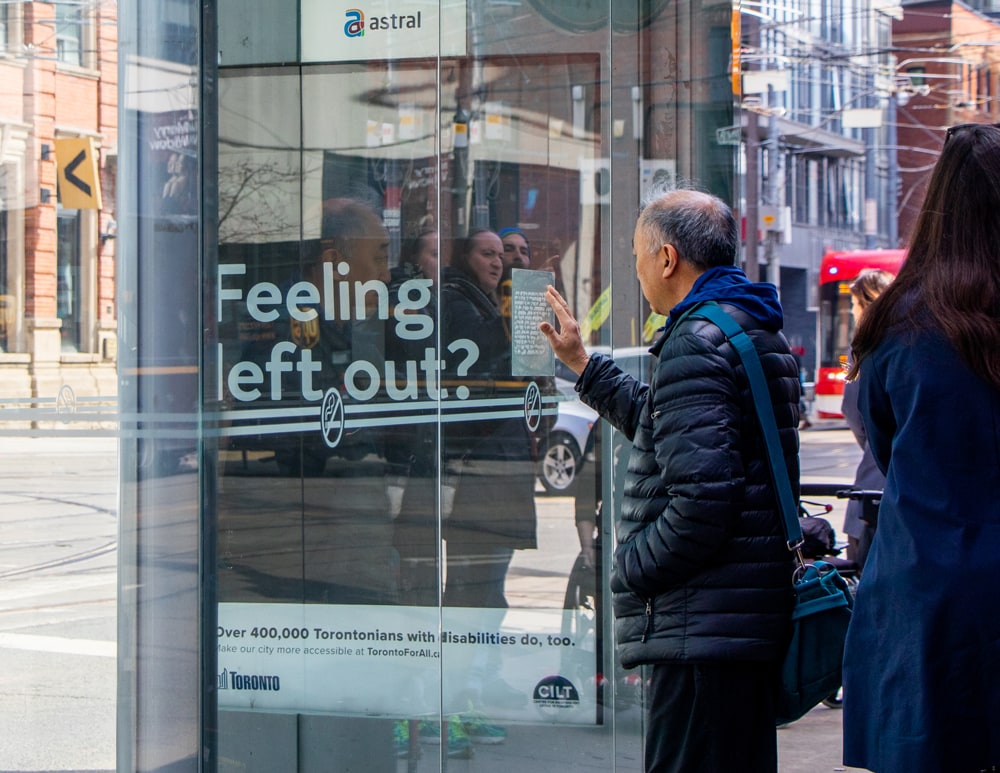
917,73
10,28
69,297
74,35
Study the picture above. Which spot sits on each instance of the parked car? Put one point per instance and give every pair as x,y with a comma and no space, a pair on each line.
568,441
571,438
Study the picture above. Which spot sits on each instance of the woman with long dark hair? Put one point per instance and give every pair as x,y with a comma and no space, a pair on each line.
921,673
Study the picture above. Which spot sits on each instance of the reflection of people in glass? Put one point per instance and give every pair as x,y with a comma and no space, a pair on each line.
516,249
516,254
411,448
347,532
178,190
488,461
494,506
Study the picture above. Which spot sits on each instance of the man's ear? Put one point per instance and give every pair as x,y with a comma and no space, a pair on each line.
668,260
330,254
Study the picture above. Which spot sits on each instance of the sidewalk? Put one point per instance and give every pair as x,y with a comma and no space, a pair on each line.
811,745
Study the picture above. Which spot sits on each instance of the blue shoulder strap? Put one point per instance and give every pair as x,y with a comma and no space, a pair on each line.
765,415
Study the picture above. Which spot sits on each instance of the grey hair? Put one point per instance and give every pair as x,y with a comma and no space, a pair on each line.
344,220
701,227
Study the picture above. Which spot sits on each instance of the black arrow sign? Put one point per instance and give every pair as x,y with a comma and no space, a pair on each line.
71,168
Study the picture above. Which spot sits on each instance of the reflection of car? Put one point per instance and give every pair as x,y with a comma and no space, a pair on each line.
567,443
570,439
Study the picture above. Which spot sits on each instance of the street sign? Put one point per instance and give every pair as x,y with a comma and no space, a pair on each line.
76,169
728,135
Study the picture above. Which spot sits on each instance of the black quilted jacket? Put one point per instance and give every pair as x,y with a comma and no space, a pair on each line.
701,570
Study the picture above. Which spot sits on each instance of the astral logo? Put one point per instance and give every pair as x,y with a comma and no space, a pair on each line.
556,692
355,27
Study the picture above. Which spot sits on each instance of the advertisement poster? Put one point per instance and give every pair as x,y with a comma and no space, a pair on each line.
399,661
383,549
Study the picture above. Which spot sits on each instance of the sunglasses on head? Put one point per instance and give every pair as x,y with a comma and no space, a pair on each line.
964,127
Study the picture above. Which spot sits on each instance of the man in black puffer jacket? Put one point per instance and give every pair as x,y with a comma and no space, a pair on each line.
702,575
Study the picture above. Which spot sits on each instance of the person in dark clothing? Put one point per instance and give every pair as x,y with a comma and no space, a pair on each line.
488,464
489,459
921,675
411,448
866,287
701,574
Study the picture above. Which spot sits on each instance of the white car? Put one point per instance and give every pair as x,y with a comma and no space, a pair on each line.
567,443
570,439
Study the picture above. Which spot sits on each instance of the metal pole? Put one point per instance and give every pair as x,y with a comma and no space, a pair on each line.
771,195
892,175
871,195
752,195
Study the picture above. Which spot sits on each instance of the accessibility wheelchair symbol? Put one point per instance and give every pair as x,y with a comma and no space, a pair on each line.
331,418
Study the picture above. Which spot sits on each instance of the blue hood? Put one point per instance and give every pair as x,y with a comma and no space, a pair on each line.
728,284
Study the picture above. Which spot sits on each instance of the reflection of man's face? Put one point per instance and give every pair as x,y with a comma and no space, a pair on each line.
369,254
366,254
516,253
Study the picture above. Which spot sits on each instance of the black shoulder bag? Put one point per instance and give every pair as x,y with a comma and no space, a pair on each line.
811,669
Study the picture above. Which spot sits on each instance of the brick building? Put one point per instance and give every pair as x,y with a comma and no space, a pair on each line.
58,151
950,55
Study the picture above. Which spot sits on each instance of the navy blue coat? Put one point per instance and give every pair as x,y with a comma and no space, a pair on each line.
702,572
922,665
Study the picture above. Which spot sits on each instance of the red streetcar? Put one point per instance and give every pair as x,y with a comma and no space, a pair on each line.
836,272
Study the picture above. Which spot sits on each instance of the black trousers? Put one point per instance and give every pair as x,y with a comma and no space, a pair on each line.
711,718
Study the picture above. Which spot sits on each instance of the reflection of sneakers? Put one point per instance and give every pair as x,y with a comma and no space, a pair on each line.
401,738
482,732
459,744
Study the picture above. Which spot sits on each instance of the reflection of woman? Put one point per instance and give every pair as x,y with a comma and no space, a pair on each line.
921,681
494,508
868,285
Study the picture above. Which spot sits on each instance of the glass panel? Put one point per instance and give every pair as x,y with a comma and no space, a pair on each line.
164,657
410,520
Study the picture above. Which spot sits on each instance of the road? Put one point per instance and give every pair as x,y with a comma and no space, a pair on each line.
58,504
58,566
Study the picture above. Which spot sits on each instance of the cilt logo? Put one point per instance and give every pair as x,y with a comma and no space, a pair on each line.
355,26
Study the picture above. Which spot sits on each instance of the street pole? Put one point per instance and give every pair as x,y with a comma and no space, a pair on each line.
892,174
871,195
752,185
771,197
